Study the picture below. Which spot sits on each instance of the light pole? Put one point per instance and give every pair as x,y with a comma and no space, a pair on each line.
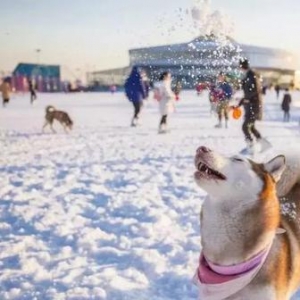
38,51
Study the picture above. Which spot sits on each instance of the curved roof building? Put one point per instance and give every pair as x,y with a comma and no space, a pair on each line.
204,57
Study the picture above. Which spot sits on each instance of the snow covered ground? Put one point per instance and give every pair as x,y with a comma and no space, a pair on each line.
109,211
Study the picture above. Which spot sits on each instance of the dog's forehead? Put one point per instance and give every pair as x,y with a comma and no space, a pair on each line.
240,158
257,168
252,166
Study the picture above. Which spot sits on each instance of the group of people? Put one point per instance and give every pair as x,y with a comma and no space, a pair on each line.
6,90
220,95
251,102
286,100
137,90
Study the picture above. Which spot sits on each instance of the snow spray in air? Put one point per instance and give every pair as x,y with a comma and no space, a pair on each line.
215,25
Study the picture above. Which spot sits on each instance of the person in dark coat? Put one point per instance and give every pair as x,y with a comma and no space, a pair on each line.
252,103
32,91
277,89
285,105
135,92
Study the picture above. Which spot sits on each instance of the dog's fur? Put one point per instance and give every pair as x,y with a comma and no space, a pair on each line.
241,216
62,117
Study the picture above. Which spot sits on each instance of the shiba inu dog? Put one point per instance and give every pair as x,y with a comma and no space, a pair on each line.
250,227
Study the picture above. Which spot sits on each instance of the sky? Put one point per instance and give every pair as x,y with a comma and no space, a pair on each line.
89,35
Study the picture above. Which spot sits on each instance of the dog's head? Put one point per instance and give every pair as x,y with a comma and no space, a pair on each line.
224,178
50,109
70,124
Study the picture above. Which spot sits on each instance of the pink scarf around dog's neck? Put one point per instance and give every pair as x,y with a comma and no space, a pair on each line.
218,282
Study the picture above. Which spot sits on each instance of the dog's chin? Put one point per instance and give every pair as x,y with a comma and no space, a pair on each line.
212,189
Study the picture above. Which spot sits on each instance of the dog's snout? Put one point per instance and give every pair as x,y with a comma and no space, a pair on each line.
203,149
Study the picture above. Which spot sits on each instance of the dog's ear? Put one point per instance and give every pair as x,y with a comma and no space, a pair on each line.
275,167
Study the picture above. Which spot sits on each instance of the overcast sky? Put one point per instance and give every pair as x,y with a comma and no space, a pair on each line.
96,34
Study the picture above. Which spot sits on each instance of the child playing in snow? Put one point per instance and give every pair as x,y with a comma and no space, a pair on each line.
214,96
224,98
285,105
177,90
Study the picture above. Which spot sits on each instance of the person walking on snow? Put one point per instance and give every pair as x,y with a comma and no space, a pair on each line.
166,99
32,91
136,93
5,90
277,90
285,105
224,99
252,106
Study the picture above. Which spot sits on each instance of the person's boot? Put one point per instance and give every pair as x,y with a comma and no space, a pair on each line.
134,122
264,144
162,128
250,147
219,125
249,150
137,122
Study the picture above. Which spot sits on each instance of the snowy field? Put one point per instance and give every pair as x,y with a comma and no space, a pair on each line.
109,211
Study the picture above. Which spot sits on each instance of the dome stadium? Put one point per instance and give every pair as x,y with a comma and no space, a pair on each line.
201,59
204,57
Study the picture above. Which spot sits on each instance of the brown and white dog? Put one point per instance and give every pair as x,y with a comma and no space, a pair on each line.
62,117
250,227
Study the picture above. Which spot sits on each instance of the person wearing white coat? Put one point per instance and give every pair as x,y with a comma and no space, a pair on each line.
166,99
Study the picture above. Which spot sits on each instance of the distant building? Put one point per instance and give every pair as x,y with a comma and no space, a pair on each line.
297,80
190,63
204,57
107,78
47,78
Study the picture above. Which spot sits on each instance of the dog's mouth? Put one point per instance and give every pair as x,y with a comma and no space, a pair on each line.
205,172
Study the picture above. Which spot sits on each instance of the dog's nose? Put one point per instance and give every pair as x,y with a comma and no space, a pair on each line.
203,149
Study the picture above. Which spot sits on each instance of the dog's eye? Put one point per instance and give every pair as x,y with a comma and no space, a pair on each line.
237,159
